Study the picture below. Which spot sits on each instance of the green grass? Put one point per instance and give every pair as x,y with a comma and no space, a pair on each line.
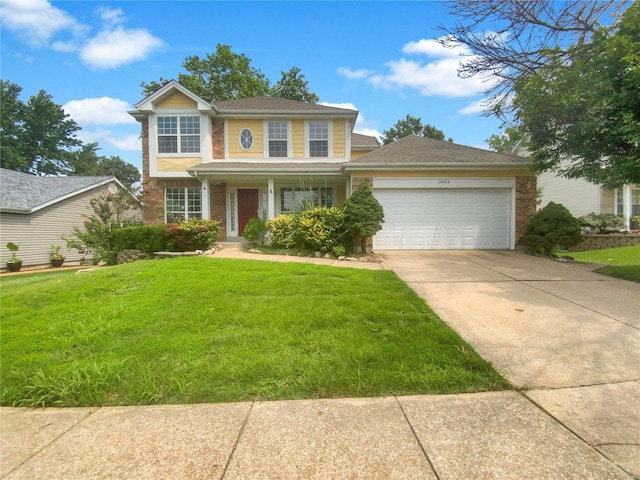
198,329
623,262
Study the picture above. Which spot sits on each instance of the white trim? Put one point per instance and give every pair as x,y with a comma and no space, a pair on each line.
272,198
232,212
278,192
204,199
347,136
240,138
445,182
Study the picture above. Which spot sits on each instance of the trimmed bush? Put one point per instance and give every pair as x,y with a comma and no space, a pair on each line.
602,222
551,228
281,233
363,214
255,230
148,238
321,229
192,235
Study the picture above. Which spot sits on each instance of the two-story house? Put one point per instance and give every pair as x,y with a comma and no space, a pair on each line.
260,157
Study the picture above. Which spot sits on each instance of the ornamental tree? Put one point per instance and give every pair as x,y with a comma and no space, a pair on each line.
364,214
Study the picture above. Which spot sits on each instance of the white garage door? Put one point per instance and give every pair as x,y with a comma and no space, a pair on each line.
434,218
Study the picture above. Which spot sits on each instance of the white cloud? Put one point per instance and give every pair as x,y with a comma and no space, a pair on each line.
128,142
431,48
111,16
37,21
348,106
354,74
117,47
99,111
435,76
372,132
473,107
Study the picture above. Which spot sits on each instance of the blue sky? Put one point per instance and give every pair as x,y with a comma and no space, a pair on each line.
379,57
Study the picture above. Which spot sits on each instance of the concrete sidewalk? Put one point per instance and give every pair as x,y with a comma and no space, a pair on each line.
569,334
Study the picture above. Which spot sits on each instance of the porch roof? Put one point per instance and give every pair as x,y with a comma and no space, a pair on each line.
227,170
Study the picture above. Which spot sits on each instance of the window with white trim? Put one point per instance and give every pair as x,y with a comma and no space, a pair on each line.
319,139
178,134
181,204
278,139
635,201
296,198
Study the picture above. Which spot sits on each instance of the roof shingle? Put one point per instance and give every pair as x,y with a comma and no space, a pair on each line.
24,192
274,104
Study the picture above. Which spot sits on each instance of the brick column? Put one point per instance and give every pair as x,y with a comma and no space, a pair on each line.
525,203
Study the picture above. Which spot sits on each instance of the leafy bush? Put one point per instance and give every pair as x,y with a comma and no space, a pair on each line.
281,233
552,227
255,230
603,221
192,235
148,238
321,229
363,214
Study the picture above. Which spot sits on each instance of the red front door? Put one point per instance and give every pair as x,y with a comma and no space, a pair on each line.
247,207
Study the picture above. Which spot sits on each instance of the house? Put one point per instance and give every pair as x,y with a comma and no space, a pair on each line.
36,212
237,159
582,197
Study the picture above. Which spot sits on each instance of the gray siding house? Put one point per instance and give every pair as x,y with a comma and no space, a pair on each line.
36,212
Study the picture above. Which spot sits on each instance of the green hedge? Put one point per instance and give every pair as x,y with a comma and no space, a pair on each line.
148,238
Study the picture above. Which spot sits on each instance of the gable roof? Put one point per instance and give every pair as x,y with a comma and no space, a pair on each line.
147,104
27,193
276,105
413,151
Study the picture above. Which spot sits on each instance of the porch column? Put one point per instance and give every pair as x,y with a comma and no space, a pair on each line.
205,199
626,206
271,192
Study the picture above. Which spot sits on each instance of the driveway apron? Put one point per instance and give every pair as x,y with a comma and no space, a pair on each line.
567,335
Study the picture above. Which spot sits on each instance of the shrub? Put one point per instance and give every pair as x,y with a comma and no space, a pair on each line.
603,221
321,229
363,214
255,230
281,233
148,238
552,227
192,235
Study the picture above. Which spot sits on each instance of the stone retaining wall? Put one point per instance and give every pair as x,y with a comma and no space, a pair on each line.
127,256
599,242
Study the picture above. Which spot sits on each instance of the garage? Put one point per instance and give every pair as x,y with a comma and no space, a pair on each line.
444,218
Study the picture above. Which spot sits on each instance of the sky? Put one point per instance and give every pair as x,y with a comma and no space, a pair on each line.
380,58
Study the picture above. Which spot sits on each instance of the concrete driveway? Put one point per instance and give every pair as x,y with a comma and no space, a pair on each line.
567,335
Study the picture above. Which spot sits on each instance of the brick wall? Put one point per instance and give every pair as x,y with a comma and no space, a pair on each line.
218,207
599,242
217,135
525,203
356,181
154,196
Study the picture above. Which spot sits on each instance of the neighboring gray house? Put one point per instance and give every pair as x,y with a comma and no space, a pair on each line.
35,212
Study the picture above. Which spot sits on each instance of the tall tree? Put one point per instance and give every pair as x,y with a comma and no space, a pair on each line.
517,37
39,135
581,110
505,141
222,75
293,86
86,161
411,126
11,127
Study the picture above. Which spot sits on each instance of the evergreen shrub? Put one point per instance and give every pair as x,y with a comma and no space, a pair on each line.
551,228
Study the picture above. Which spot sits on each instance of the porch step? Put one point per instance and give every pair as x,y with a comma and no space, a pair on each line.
235,245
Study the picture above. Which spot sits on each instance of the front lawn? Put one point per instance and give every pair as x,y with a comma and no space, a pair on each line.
623,262
219,330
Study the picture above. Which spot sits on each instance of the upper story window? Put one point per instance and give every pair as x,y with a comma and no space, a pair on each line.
246,139
278,139
178,134
318,139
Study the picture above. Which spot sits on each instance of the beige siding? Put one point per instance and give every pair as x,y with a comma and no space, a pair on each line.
607,201
356,154
35,233
339,140
297,127
178,164
177,100
235,127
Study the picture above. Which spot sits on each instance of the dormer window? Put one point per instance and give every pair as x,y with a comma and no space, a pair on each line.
178,134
